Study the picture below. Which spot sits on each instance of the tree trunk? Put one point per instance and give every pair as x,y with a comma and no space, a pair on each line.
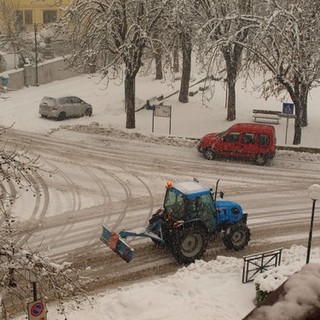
176,60
186,67
231,103
231,66
232,56
129,88
297,123
296,98
3,312
158,59
304,104
298,95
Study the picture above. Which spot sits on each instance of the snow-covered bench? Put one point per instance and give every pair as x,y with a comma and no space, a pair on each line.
268,116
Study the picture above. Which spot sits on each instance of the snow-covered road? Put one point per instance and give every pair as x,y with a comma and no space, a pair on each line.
103,179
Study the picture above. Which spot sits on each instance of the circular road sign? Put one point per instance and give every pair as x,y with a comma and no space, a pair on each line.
37,308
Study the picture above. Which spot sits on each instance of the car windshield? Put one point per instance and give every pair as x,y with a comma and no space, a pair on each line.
221,134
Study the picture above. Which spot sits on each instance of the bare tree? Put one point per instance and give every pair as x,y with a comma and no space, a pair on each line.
219,19
116,33
23,269
182,29
285,39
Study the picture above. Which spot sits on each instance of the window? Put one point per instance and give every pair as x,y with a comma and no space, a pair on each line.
263,140
174,203
232,137
76,100
248,138
65,100
49,16
28,16
19,18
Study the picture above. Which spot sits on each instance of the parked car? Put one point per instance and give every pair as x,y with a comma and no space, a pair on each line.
64,107
248,141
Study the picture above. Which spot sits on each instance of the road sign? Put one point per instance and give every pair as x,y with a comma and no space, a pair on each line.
287,108
161,111
37,310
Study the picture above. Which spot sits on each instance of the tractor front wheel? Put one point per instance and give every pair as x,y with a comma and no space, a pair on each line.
237,237
190,244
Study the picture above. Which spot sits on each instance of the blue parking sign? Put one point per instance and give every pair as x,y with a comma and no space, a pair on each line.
287,108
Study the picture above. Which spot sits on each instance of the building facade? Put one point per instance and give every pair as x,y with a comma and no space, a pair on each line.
27,13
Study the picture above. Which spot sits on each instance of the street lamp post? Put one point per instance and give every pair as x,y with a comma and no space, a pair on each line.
36,52
35,28
314,194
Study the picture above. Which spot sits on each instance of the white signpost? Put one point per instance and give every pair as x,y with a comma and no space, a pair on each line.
162,111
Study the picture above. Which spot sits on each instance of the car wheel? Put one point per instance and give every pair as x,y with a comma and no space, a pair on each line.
88,112
209,154
260,160
62,116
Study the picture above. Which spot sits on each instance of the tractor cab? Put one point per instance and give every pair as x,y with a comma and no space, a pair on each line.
189,200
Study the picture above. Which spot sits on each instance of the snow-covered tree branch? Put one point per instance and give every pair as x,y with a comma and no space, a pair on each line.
20,265
111,37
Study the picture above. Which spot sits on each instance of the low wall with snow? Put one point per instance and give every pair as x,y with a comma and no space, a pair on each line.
48,71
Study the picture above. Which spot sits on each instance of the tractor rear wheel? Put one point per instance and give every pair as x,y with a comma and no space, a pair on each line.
237,237
190,244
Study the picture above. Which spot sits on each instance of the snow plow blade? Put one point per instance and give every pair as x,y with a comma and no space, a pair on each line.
116,244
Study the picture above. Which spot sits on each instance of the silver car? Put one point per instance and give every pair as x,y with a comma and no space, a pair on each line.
61,108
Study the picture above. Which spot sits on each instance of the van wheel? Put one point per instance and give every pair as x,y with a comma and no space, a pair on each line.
62,116
260,160
209,154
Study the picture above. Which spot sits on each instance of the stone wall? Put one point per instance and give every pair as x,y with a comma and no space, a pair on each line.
48,71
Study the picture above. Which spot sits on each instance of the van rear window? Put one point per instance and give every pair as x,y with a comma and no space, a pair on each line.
263,140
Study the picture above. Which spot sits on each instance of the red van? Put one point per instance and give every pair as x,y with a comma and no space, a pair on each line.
248,141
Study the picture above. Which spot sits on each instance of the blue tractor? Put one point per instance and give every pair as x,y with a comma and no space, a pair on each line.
190,216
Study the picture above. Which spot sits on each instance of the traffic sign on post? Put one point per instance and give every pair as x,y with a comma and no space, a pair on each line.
161,111
287,110
37,310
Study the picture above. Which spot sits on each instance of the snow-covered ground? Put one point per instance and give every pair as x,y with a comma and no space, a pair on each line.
193,119
204,290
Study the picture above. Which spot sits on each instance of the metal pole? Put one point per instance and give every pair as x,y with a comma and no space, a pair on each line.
310,232
170,122
36,52
287,127
34,290
226,98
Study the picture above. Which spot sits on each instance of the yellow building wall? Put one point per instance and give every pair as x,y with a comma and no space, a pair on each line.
37,7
